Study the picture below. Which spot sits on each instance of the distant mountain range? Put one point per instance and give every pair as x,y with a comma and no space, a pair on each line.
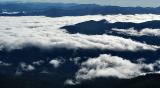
61,9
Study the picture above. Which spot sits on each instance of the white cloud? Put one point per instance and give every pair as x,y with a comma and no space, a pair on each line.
112,66
133,32
75,60
137,18
26,67
5,64
69,82
38,62
45,32
55,63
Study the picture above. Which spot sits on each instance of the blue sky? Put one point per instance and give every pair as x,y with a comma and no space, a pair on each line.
143,3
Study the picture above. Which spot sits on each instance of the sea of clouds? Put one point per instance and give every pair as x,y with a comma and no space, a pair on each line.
18,32
133,32
45,32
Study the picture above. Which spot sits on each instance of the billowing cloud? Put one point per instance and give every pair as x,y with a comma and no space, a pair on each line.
26,67
55,63
44,32
113,66
133,32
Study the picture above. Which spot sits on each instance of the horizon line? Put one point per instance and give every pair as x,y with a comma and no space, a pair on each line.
5,2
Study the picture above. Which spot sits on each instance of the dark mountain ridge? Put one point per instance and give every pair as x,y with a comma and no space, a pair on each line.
100,27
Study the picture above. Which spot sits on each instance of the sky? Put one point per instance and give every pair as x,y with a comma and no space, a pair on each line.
142,3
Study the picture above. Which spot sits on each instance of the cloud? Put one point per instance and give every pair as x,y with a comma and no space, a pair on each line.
45,32
5,64
137,18
38,62
113,66
55,63
26,67
69,82
75,60
133,32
